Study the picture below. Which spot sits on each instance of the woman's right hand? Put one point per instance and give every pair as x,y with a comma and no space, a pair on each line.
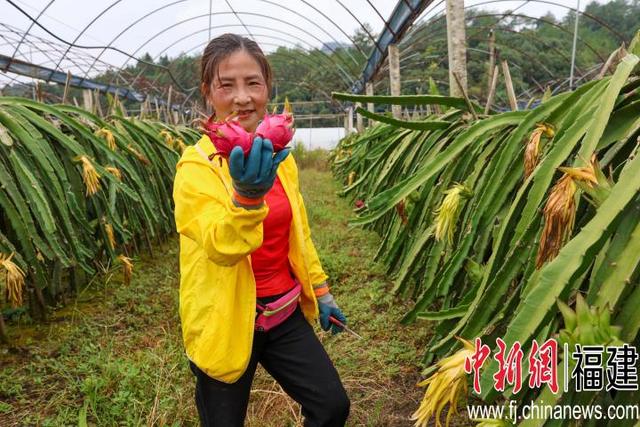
254,175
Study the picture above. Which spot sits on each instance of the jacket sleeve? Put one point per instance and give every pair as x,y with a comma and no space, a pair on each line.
205,213
316,272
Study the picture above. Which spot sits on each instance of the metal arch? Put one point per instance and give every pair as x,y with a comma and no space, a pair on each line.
232,25
227,13
411,45
30,27
136,22
30,43
375,42
586,15
336,25
115,49
200,45
236,25
305,60
439,18
239,19
403,15
364,55
85,29
308,62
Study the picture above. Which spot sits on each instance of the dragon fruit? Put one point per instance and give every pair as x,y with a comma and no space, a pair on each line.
278,128
227,134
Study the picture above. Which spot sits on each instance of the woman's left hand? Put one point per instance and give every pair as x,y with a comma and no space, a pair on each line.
328,307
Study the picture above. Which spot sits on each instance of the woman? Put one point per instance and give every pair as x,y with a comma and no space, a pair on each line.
251,282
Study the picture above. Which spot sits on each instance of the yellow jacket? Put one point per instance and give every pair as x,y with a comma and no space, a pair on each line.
217,287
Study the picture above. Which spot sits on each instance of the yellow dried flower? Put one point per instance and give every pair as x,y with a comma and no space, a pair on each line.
559,218
351,177
444,387
107,135
14,279
114,171
139,155
532,148
108,228
127,268
90,176
168,138
591,180
449,210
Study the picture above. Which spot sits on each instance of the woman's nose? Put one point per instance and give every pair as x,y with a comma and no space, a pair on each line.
242,96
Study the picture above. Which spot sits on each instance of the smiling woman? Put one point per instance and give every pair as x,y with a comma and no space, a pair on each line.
251,282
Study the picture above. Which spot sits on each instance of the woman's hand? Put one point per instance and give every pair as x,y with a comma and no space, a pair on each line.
254,175
328,307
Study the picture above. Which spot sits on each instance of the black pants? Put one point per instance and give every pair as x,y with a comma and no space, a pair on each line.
293,355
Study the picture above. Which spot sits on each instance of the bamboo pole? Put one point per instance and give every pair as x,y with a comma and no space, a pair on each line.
510,92
370,108
65,94
394,78
492,59
456,46
464,95
492,89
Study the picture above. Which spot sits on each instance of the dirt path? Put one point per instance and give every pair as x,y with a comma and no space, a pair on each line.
116,354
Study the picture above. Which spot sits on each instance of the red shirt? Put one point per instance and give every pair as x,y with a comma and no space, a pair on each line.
270,262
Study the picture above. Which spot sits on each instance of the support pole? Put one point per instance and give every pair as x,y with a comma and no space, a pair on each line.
573,49
65,94
369,91
492,60
350,120
513,102
359,119
492,89
456,44
394,78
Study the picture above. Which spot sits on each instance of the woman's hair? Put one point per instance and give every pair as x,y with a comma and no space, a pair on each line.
222,47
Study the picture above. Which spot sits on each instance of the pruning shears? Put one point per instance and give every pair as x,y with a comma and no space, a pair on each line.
343,326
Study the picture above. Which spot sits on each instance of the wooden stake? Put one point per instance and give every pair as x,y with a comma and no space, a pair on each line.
492,89
370,108
510,92
394,78
464,95
456,45
87,100
359,119
65,94
492,60
350,120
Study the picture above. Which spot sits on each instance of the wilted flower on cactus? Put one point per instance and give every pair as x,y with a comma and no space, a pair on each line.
114,171
89,175
14,279
127,268
532,148
449,210
359,204
444,387
559,217
108,137
591,180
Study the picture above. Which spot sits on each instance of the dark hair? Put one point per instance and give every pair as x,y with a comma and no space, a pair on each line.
219,49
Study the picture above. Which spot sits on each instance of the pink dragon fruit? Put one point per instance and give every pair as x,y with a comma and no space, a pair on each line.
278,128
227,134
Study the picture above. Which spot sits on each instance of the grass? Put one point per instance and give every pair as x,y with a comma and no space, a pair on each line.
114,356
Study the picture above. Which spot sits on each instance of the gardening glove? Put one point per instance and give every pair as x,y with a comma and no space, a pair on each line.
254,175
328,307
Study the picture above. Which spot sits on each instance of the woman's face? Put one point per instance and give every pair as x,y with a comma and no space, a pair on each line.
239,88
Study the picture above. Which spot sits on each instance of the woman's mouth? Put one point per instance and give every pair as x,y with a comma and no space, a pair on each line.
244,114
